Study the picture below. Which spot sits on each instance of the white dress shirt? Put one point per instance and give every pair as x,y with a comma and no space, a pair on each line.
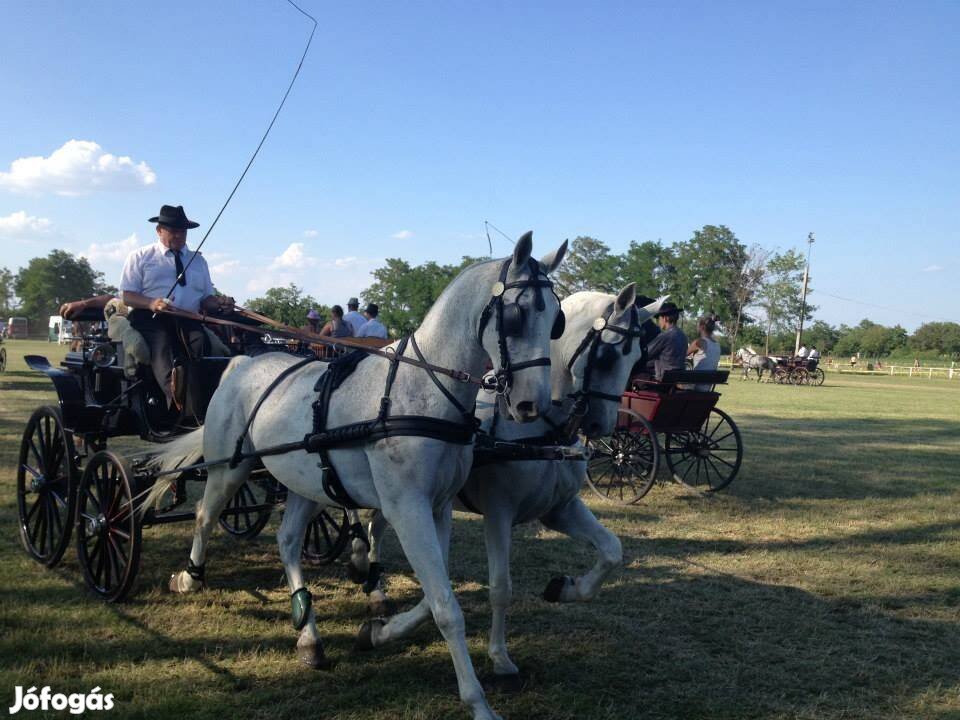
373,328
802,352
355,320
814,355
152,271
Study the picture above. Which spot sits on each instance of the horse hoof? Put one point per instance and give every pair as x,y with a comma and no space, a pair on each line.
551,593
183,586
383,608
357,576
364,641
512,683
312,656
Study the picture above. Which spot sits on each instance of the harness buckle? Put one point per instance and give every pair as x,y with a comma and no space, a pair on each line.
495,382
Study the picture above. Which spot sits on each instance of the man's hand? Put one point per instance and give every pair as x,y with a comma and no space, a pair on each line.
159,304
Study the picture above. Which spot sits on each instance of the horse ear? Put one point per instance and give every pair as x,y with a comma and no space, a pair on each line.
627,297
551,261
523,248
647,311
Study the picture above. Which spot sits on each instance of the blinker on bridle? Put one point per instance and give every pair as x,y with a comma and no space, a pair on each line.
602,355
510,320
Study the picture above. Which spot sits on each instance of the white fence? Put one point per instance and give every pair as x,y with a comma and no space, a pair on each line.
929,373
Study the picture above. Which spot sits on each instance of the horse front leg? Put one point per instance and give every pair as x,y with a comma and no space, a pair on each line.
417,530
296,517
381,631
576,520
497,526
221,485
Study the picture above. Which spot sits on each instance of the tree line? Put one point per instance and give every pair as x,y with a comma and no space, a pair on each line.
753,291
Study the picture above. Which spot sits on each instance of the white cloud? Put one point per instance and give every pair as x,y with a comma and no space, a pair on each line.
932,268
310,233
20,226
79,167
225,269
402,235
292,258
112,251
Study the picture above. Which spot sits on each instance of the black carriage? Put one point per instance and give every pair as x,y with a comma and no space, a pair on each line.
675,420
68,478
798,371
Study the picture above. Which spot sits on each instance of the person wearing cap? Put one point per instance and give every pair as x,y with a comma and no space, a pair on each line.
668,350
372,327
167,274
353,317
313,321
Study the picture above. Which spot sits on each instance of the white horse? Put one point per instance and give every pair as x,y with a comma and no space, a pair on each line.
591,361
412,480
751,360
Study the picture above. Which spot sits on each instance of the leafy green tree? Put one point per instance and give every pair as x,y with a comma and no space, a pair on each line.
589,266
746,286
943,337
822,335
288,305
781,293
708,270
48,282
649,264
6,294
406,292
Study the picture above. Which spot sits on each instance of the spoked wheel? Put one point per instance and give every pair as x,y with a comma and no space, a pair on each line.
800,376
327,536
249,510
708,458
108,526
623,466
781,375
817,377
46,486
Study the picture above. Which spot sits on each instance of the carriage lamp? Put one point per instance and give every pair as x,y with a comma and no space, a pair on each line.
103,355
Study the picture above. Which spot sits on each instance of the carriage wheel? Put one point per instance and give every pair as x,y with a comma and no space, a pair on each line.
108,526
3,359
623,466
817,377
708,458
800,376
46,486
780,375
249,509
327,536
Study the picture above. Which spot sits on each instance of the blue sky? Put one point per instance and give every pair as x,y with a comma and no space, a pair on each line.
412,123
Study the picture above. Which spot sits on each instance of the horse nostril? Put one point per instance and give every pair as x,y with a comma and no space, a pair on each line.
527,408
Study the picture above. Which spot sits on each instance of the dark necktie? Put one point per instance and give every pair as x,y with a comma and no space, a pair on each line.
181,278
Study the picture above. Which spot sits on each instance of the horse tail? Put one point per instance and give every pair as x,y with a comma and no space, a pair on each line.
185,450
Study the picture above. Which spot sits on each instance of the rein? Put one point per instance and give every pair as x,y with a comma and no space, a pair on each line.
309,337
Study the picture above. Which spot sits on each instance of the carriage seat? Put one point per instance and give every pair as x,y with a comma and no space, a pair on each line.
674,380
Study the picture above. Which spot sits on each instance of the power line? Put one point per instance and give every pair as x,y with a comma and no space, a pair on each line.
883,307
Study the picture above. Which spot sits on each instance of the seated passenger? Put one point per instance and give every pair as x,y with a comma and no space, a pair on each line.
337,327
705,350
668,350
802,352
372,327
813,359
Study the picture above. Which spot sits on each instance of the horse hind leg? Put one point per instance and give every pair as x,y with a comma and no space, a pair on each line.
297,515
221,485
576,520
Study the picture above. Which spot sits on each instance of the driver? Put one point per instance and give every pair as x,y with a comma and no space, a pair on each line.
148,274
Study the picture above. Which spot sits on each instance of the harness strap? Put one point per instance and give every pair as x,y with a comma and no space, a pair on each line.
436,381
238,448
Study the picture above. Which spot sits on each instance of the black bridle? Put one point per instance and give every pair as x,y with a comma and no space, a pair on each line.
510,319
600,356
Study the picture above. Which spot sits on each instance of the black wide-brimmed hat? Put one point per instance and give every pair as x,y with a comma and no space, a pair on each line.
668,308
174,217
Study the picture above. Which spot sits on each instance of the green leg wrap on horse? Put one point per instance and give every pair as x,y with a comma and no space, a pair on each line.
302,601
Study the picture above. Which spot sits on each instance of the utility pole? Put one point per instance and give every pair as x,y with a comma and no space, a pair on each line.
803,301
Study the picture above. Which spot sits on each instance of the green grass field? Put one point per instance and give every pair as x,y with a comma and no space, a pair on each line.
824,583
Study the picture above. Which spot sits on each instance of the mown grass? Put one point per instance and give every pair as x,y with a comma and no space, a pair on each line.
822,584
